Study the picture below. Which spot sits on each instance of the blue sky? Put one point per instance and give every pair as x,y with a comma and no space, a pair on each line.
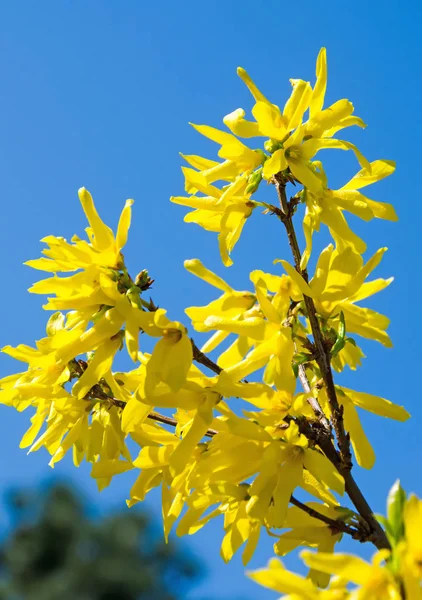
100,94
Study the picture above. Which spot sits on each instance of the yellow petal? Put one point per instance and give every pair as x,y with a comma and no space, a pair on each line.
147,480
199,162
413,524
196,267
105,328
251,543
370,288
289,477
234,353
375,404
225,171
363,207
134,414
153,456
216,135
236,535
198,428
318,93
123,226
298,103
195,181
97,367
265,304
238,125
209,220
103,236
199,202
275,164
259,96
311,147
229,306
297,278
277,578
132,338
321,467
271,121
215,340
252,326
343,123
377,170
329,118
170,362
351,568
303,172
108,468
37,422
232,223
333,217
365,455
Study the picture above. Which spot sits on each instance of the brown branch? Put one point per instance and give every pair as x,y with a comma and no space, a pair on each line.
315,405
318,435
322,357
342,459
335,524
377,535
155,416
203,359
173,422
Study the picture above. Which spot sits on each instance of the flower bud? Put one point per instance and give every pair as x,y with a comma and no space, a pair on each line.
272,145
253,181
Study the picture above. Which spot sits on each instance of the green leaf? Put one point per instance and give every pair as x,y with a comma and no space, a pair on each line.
395,504
341,335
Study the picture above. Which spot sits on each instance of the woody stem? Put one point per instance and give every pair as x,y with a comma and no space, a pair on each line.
342,460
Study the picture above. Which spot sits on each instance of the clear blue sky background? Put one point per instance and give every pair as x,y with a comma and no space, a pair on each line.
100,94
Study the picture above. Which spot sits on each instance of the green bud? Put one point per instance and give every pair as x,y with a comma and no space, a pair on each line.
253,181
143,280
272,145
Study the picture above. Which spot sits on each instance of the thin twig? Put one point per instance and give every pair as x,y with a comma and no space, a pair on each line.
335,524
156,416
203,359
173,422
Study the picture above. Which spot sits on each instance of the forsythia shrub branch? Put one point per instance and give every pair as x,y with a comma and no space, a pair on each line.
240,439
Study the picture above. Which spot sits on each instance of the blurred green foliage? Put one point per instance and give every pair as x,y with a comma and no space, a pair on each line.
56,552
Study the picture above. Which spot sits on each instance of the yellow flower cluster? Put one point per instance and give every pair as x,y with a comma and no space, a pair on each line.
236,441
391,575
290,147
